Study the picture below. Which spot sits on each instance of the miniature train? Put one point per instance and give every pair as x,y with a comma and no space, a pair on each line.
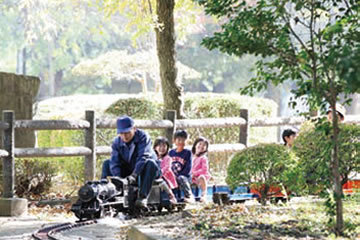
97,199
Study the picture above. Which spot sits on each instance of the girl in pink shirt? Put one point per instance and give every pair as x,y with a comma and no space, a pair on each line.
161,148
200,166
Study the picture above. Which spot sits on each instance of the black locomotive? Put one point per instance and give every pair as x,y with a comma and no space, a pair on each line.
97,199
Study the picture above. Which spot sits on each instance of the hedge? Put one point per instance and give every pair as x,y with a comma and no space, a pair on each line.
313,147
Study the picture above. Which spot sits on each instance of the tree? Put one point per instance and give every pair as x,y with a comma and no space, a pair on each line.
313,148
264,167
312,43
142,16
49,42
165,42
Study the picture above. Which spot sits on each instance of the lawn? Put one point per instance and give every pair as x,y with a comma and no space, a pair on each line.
299,219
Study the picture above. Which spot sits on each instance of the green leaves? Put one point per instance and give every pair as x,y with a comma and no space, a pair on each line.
313,147
264,164
307,42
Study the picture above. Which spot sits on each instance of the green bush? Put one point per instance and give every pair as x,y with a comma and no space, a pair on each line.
72,168
33,177
263,165
139,108
313,147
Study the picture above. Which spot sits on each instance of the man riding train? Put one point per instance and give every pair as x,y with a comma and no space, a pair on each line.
132,157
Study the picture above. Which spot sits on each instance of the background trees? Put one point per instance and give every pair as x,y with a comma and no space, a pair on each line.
312,43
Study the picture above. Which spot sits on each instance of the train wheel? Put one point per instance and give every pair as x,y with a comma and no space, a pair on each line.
170,208
180,207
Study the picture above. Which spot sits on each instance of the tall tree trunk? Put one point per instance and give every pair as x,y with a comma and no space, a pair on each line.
335,160
18,61
21,61
58,81
24,58
165,43
336,175
51,74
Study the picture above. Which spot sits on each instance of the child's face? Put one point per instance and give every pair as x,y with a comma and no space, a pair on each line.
180,142
329,116
200,147
161,149
290,140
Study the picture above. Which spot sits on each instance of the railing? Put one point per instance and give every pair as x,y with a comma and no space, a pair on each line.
90,124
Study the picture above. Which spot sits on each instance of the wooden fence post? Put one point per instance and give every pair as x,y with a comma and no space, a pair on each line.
9,161
90,142
170,115
244,129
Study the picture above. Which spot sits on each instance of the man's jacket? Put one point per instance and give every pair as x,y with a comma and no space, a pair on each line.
128,158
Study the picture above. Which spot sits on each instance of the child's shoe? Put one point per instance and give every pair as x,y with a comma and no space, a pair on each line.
203,199
189,200
172,199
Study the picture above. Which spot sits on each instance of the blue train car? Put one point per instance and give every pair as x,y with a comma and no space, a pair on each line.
238,195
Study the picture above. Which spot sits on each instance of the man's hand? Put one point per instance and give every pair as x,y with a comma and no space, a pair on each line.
132,179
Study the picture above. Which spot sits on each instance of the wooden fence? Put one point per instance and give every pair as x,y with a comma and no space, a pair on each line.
90,124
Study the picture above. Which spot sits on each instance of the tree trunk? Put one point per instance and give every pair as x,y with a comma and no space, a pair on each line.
336,174
58,81
18,61
165,43
51,75
21,61
24,56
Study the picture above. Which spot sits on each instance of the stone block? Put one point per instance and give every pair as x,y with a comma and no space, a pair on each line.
18,93
13,206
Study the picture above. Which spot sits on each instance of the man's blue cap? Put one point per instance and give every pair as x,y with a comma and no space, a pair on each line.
124,124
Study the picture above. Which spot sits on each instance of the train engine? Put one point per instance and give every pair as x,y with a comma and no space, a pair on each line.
97,199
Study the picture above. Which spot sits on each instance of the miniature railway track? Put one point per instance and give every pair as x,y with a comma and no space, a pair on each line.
48,232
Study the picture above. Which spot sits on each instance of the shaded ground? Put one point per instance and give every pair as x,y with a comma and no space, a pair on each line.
299,219
296,220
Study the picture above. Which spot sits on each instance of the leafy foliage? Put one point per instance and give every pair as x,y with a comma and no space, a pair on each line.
298,41
55,40
313,147
72,168
138,108
315,44
263,165
142,19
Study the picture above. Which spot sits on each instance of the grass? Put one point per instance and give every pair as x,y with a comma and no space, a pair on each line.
301,220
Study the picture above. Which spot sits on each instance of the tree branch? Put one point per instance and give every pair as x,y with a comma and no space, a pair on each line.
313,57
287,21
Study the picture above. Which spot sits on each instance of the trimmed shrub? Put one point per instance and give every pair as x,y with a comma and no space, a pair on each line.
313,147
139,108
262,166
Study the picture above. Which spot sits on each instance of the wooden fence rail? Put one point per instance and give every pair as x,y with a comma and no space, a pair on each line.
90,124
3,125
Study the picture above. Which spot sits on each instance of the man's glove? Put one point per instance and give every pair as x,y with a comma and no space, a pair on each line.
132,178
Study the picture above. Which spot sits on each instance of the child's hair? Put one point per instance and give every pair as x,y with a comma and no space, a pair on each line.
287,133
180,134
200,139
159,141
